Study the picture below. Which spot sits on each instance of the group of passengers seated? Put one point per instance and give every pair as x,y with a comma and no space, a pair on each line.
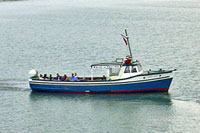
72,78
59,77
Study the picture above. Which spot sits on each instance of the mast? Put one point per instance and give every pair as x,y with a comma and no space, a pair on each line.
128,43
127,38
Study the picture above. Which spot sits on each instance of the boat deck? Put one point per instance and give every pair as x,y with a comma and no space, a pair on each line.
100,79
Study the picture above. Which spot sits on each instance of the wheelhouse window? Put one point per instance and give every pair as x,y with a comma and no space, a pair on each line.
139,68
127,69
133,69
114,71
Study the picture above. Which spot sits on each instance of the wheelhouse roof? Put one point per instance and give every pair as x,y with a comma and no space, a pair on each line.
107,65
113,64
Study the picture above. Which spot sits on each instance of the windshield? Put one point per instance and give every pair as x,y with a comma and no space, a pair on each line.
114,71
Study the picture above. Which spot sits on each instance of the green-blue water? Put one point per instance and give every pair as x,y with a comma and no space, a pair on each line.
69,35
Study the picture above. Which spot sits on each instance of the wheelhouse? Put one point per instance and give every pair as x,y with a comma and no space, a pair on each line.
119,69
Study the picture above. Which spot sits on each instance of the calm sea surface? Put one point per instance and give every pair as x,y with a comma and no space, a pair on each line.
69,35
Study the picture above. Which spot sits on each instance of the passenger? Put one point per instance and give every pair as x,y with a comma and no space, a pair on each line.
41,77
64,77
50,77
128,60
73,78
45,77
75,75
104,78
58,77
67,78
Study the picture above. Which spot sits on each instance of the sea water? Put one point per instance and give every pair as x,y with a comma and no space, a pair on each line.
68,36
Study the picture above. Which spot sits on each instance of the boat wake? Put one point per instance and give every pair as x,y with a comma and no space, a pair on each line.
13,85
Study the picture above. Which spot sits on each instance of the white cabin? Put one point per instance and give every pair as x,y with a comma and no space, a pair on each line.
119,69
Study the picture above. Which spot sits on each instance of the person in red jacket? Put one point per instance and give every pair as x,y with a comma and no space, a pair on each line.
128,60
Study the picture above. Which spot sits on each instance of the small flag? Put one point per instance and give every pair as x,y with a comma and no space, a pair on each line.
125,40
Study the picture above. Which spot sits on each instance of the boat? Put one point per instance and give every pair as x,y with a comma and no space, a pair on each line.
123,75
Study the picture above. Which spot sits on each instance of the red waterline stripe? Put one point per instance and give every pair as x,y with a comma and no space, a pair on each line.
123,91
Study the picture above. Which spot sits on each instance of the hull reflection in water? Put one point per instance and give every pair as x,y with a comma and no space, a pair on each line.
159,98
